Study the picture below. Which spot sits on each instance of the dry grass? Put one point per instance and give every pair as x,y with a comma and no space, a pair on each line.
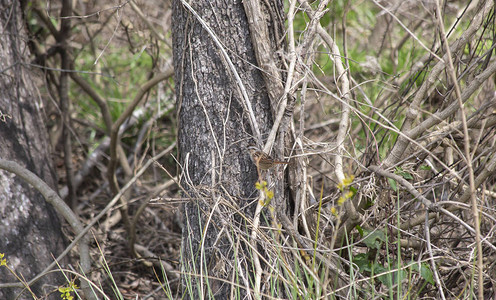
392,90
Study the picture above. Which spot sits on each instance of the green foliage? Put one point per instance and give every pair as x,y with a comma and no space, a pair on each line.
393,184
124,71
347,192
164,283
374,239
391,274
303,276
265,191
117,77
403,173
3,261
425,168
425,272
66,292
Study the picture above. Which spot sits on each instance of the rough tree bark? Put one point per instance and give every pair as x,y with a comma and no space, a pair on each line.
214,132
30,232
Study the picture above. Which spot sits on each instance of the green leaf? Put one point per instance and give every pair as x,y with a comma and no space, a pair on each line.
360,230
362,261
354,190
375,239
393,184
425,272
392,278
403,174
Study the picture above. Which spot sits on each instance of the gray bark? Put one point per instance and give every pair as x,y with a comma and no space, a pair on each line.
30,232
214,133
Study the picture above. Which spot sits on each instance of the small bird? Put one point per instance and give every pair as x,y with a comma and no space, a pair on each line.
262,159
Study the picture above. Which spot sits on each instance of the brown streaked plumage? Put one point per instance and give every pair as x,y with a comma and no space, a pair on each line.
262,159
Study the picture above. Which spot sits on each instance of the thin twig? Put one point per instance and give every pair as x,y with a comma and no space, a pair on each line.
150,26
409,187
431,256
407,30
403,141
468,157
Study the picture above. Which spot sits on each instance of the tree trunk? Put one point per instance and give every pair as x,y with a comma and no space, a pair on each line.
214,133
30,232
